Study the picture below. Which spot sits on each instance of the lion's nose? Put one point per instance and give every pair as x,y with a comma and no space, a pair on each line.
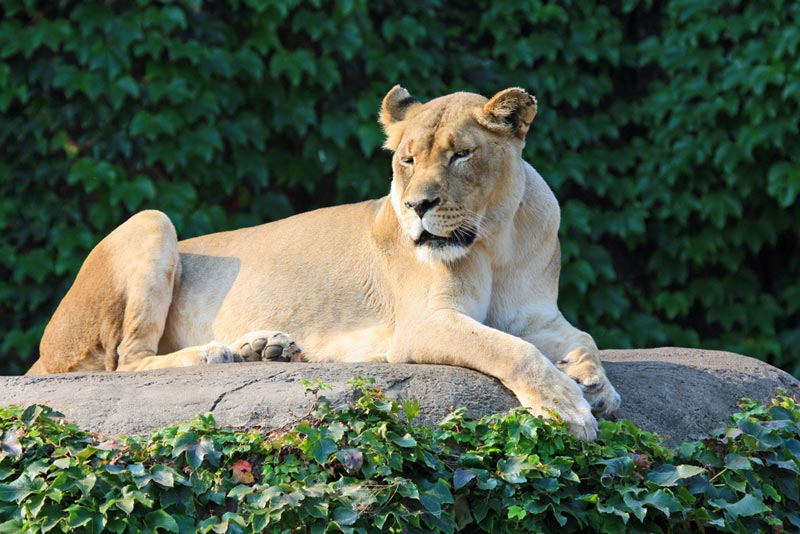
422,206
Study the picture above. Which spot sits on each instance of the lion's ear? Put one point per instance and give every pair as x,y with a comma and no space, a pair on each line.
511,110
396,105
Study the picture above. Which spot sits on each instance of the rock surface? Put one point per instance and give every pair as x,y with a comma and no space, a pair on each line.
678,393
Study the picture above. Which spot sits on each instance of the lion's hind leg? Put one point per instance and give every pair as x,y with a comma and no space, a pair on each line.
113,316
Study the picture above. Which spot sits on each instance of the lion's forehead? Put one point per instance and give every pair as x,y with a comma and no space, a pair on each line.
447,136
445,123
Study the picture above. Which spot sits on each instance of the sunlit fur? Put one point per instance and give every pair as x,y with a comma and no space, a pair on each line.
372,281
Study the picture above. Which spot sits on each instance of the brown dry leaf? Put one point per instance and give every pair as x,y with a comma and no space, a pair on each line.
242,472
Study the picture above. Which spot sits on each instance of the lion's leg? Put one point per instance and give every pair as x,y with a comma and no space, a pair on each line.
148,271
210,353
149,279
451,338
575,353
114,314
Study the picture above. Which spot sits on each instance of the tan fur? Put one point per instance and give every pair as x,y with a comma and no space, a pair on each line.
459,265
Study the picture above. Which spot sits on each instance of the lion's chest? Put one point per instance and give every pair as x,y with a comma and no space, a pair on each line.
503,312
514,300
468,289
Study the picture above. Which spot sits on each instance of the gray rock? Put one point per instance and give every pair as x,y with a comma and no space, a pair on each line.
678,393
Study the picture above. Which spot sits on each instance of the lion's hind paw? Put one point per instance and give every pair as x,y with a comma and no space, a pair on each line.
265,345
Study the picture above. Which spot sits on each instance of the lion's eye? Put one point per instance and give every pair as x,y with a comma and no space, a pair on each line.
407,161
460,155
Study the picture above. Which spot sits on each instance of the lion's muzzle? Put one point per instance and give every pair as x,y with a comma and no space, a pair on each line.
422,206
461,237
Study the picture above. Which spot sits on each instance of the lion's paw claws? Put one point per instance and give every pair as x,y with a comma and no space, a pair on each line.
584,367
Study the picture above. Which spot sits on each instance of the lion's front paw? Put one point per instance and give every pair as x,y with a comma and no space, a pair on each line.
559,394
265,345
584,367
215,353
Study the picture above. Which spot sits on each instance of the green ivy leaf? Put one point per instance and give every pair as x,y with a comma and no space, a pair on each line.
745,507
79,516
514,468
240,491
125,503
345,516
9,445
162,475
159,519
635,505
783,182
5,472
435,497
13,526
663,501
737,462
86,484
197,449
516,512
462,477
20,488
411,408
405,441
669,475
321,449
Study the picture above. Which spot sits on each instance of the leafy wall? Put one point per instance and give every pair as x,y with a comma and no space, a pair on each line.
669,131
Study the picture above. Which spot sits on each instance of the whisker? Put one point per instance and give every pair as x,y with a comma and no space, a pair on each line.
471,223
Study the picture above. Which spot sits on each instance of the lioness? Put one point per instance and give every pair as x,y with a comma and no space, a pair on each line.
458,265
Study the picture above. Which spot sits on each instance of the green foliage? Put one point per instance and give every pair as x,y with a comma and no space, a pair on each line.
364,467
668,130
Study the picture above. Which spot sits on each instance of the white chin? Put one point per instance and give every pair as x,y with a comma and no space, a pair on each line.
448,254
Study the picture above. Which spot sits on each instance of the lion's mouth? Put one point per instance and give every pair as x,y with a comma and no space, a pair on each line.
461,237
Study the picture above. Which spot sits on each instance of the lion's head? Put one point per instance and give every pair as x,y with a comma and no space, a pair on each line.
457,167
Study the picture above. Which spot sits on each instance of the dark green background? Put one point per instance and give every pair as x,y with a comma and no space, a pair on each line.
668,130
